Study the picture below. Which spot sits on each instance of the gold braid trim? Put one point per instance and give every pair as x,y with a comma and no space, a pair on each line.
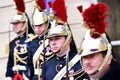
25,52
16,56
80,72
17,45
52,54
80,75
20,59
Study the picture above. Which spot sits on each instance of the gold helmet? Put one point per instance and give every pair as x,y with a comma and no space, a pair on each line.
20,12
92,45
18,18
40,15
95,39
59,30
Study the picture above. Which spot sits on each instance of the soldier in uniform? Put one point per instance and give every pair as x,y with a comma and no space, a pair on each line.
41,25
96,56
17,60
63,47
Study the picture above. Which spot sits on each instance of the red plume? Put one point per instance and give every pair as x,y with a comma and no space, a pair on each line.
59,8
80,8
94,17
41,4
50,4
20,5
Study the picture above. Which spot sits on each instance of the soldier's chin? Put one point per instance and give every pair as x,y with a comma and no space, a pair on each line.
55,51
91,73
17,32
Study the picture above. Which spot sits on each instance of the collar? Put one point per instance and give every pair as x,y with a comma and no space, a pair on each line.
21,35
61,58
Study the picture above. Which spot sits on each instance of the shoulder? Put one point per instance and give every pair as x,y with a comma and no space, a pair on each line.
52,59
72,54
115,66
113,73
30,38
14,40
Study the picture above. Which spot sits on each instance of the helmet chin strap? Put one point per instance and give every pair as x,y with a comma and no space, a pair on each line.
23,28
104,61
47,25
67,39
46,30
63,46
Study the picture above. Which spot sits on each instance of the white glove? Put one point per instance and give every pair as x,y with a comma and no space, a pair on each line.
8,78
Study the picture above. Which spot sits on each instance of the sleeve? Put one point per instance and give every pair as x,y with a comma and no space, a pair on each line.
10,63
30,61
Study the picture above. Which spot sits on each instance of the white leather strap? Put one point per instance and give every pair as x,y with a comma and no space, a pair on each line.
36,71
18,67
39,50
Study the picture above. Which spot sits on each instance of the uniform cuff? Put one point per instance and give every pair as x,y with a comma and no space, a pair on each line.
8,78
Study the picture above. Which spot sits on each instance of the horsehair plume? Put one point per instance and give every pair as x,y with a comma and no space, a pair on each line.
41,4
50,4
20,6
94,17
80,8
59,9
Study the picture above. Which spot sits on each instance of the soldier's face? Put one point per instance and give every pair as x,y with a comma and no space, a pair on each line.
17,27
92,62
56,43
39,29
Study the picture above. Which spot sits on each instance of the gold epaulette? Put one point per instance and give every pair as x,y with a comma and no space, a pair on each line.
7,48
47,57
79,72
30,37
